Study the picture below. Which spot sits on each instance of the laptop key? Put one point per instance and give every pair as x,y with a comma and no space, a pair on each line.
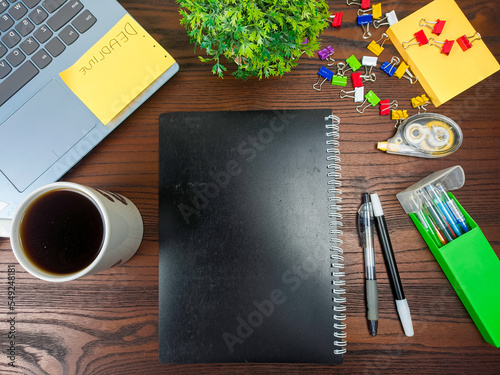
4,69
55,47
31,3
18,11
64,15
6,22
25,27
16,80
42,59
38,15
11,39
3,50
29,45
3,6
16,57
42,34
52,5
84,21
68,35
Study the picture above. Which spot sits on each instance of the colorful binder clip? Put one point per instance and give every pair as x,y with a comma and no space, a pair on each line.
364,21
445,46
353,63
420,38
363,4
325,73
357,94
389,20
386,107
436,29
370,99
326,54
465,42
403,70
340,79
377,11
399,115
390,68
376,46
420,102
356,80
369,62
337,19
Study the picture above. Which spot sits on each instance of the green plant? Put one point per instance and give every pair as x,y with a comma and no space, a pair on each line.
263,37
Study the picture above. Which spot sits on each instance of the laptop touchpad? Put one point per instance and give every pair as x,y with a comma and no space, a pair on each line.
40,132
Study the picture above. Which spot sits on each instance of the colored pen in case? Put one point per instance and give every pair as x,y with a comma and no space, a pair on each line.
431,229
427,223
439,234
452,205
437,217
444,209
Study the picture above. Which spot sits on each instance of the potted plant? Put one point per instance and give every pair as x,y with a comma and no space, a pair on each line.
263,37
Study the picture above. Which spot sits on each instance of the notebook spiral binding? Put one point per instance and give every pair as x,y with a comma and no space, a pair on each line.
335,222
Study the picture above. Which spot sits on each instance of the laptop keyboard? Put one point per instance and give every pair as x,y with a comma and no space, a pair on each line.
32,34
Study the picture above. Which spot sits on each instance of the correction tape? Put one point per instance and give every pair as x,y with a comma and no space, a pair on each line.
426,135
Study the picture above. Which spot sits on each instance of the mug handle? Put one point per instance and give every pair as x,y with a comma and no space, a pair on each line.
5,227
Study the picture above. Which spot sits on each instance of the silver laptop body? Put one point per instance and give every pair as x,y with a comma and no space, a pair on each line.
44,128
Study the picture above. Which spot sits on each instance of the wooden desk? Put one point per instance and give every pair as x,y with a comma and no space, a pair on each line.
108,323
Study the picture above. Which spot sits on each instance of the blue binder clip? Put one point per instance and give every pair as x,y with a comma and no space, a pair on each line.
364,21
390,68
326,73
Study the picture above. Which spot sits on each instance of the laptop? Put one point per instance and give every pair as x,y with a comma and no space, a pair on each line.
45,129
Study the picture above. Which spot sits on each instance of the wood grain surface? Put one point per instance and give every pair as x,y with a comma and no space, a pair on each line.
108,323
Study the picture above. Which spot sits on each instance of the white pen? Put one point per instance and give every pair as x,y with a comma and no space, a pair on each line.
397,287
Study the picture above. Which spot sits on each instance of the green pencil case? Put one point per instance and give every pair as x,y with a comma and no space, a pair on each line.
468,261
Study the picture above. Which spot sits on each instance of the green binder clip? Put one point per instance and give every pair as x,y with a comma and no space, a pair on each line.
370,99
339,80
353,62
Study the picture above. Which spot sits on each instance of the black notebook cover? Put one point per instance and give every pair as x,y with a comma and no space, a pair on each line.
249,253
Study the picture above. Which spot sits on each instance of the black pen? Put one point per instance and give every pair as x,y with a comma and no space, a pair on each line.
365,231
397,287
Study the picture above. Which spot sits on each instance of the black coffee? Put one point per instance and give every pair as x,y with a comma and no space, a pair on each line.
62,232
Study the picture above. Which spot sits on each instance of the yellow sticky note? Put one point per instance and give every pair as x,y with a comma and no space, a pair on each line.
441,76
121,65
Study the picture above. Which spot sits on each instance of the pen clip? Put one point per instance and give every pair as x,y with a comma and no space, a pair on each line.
361,226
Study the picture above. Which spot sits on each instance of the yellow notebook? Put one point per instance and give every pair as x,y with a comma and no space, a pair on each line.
443,76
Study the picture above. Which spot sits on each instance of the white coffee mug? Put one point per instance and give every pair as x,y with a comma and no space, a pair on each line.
122,230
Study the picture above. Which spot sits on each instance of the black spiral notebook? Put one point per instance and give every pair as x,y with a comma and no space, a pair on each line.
251,268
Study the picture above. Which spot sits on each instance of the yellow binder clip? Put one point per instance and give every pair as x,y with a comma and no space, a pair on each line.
376,46
420,102
377,11
399,115
403,70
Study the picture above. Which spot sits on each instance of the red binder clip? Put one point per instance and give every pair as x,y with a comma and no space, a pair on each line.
465,42
356,80
386,107
436,29
363,4
445,46
420,38
337,19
